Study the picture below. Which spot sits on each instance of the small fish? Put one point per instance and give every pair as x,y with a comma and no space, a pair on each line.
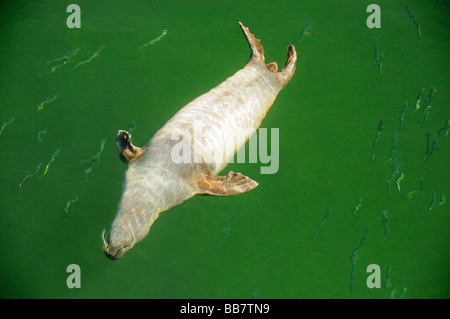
378,58
70,202
377,137
411,15
428,144
93,56
394,149
10,120
433,201
411,194
430,98
327,213
387,283
387,226
421,187
49,99
38,167
57,66
357,206
433,148
39,137
54,155
93,160
380,64
305,31
354,257
395,169
325,217
151,42
399,180
445,128
442,200
403,112
418,99
66,58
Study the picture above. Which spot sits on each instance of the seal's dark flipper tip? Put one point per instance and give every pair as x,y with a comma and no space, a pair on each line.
127,151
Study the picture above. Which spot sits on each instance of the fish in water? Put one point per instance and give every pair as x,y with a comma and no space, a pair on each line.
151,42
403,112
411,15
387,226
357,206
38,167
66,58
305,31
431,146
377,137
54,155
387,283
399,180
444,129
325,217
230,113
432,203
70,202
430,99
418,99
354,257
93,160
442,200
93,56
11,119
378,58
49,99
39,137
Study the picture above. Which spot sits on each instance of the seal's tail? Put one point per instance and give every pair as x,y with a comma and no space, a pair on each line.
257,56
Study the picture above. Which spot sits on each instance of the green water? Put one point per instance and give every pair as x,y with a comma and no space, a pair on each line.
327,118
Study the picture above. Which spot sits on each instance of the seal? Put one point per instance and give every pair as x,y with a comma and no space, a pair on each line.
231,112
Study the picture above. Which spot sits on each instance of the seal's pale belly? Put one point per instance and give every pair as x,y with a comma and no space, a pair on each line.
216,125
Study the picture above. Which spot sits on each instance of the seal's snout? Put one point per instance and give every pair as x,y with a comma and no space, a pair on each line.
113,248
114,254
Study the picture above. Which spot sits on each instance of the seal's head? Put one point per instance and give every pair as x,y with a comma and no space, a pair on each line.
118,243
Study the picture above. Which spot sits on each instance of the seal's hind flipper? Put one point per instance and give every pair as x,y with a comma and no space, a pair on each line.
255,45
127,151
232,184
288,71
257,56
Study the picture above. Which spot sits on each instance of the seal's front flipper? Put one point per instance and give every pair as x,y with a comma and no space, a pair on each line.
232,184
127,151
